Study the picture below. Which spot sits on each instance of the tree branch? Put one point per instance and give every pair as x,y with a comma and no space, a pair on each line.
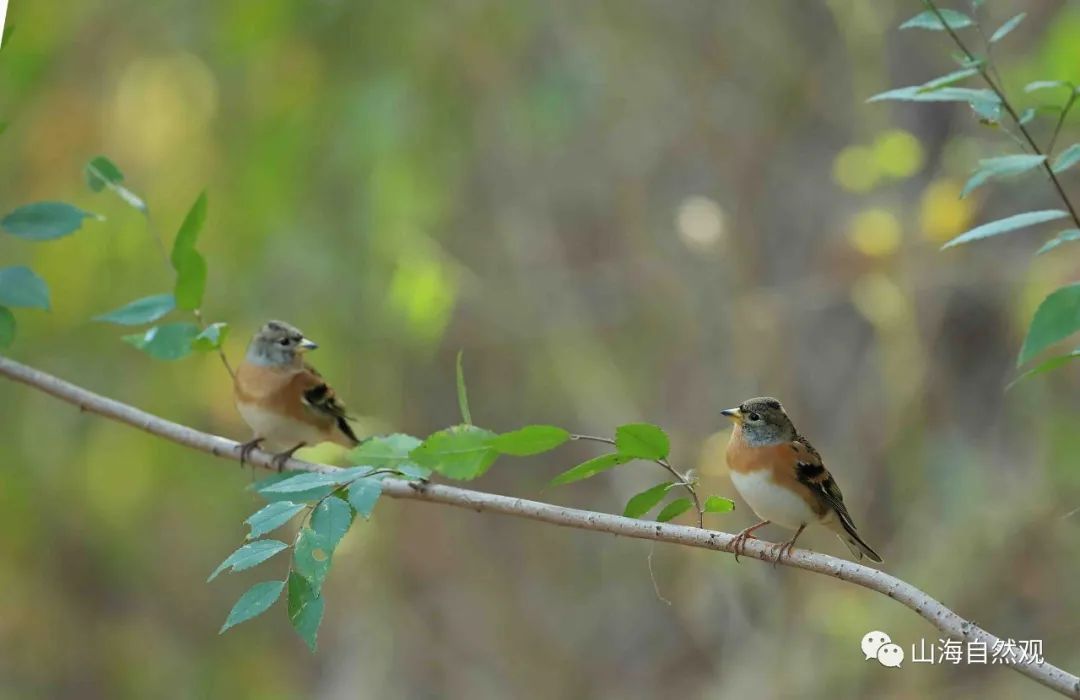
941,617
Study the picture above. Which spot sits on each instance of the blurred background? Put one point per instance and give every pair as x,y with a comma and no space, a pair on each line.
620,211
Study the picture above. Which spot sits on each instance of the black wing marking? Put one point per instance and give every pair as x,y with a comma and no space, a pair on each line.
321,398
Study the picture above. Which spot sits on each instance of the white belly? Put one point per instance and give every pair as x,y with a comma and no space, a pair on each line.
280,433
770,501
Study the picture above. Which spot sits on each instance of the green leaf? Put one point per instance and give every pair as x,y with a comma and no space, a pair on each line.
1066,236
641,503
315,493
255,602
363,495
530,440
3,126
989,112
1047,85
719,504
249,555
311,558
914,93
102,172
949,79
462,394
1027,115
43,221
211,338
20,287
1004,29
272,516
305,609
306,481
1046,366
390,452
145,310
189,264
929,20
674,509
642,440
462,452
330,520
1057,317
1010,223
7,327
1068,158
171,341
8,31
590,468
1004,166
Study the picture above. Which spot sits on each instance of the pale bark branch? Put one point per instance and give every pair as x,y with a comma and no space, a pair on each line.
941,617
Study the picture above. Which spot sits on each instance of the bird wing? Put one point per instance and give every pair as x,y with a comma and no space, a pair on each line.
811,472
317,395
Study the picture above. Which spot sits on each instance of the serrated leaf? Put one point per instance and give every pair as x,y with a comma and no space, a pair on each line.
211,338
1066,236
249,555
719,504
462,452
1046,366
929,20
914,93
145,310
641,503
1004,29
171,341
947,80
1003,166
189,263
311,558
1057,317
674,509
1068,158
590,468
363,495
305,609
530,440
642,440
1047,85
330,520
1010,223
253,603
462,393
297,483
7,327
20,287
271,517
43,221
308,496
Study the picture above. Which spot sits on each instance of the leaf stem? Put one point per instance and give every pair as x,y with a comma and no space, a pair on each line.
683,480
1000,92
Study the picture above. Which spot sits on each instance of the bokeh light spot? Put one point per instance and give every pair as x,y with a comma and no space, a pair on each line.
897,153
942,214
855,169
875,232
701,223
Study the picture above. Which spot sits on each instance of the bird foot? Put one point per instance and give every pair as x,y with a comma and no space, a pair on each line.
247,448
738,545
282,457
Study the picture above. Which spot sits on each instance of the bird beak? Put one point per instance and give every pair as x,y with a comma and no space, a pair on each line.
306,345
733,413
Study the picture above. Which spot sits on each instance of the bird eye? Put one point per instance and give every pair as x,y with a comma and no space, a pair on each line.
754,416
283,341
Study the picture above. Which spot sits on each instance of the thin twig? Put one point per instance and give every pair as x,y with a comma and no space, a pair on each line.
685,481
1000,92
941,617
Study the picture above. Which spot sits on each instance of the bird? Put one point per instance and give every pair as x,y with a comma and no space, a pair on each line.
283,399
783,479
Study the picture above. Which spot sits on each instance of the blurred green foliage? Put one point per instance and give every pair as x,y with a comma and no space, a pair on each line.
619,212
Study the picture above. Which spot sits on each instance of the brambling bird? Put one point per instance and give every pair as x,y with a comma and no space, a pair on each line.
782,478
283,399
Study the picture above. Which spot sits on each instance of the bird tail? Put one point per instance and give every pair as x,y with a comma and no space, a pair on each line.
846,532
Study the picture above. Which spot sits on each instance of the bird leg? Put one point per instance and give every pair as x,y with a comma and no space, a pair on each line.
738,545
282,457
787,546
248,447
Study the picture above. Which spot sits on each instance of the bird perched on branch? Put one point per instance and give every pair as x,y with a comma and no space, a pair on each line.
283,399
782,478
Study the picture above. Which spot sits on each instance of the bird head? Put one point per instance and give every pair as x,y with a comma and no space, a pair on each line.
762,421
278,344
